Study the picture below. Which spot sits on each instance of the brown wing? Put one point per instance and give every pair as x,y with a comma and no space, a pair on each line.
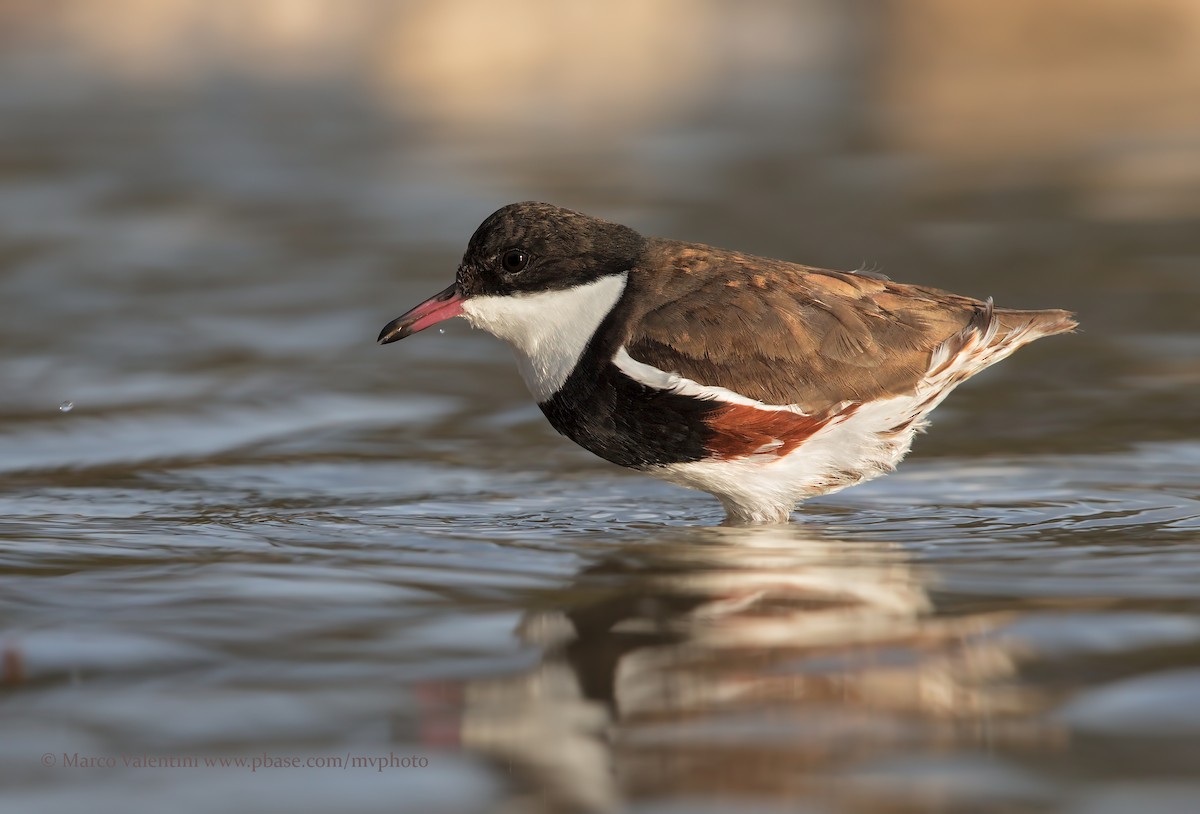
783,333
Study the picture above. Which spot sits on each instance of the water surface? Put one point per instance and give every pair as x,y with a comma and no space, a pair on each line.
256,535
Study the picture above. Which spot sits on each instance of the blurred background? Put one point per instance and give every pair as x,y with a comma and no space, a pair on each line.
230,523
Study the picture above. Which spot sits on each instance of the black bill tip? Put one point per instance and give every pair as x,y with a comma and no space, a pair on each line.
394,331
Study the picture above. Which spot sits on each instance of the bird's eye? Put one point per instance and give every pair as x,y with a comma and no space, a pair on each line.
514,260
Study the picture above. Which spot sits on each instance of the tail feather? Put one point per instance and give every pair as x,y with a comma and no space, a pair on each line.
991,335
1039,323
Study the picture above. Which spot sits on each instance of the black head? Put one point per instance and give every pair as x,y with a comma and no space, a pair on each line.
526,247
538,247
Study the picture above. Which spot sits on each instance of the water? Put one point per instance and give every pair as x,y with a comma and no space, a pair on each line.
378,579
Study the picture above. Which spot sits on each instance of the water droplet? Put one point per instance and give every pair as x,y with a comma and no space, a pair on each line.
66,407
441,330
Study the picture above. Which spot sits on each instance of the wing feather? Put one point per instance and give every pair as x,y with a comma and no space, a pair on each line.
782,333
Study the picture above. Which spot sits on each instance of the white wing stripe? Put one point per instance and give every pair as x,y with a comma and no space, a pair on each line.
652,376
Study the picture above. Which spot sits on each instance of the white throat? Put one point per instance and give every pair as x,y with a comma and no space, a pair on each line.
548,331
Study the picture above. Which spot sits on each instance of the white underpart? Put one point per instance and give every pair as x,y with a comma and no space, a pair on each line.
851,448
547,331
856,445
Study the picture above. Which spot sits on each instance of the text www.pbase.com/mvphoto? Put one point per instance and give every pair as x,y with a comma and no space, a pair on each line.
253,763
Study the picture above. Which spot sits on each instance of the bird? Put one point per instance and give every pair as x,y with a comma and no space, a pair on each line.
762,382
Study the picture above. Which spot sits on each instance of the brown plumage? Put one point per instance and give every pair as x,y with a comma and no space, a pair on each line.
785,333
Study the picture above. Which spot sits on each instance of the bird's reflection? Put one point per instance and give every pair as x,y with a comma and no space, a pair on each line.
746,663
